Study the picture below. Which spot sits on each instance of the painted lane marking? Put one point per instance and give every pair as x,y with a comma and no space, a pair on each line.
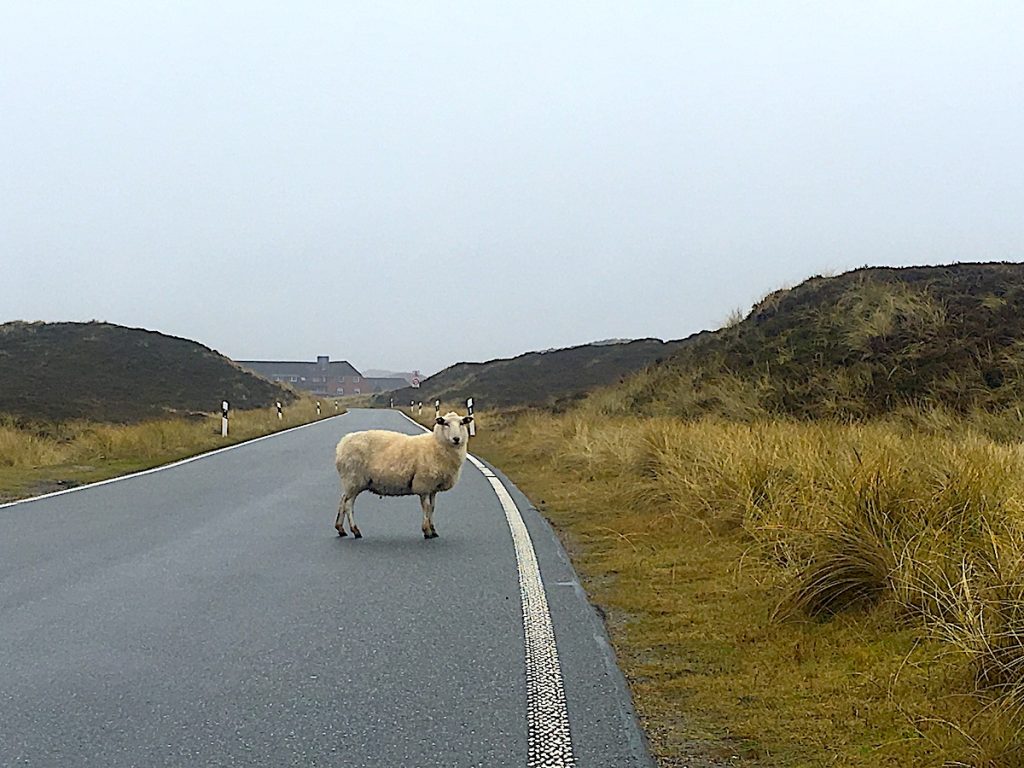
162,467
549,739
548,735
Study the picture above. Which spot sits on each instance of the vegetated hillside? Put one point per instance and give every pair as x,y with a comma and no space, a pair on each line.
551,377
861,344
104,372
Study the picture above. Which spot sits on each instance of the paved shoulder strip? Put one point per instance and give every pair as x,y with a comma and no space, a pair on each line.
549,740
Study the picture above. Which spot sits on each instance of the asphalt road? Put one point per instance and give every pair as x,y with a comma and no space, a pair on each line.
209,615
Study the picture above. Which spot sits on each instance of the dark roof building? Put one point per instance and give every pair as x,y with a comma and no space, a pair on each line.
288,368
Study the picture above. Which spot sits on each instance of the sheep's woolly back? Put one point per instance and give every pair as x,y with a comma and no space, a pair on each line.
394,464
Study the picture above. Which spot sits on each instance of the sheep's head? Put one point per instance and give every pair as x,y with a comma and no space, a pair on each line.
452,430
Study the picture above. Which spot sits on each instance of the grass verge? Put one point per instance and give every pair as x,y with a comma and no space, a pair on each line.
794,594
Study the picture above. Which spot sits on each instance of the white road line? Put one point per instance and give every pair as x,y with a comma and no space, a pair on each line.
162,467
549,740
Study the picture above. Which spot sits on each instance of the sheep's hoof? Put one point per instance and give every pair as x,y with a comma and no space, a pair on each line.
341,532
430,534
356,533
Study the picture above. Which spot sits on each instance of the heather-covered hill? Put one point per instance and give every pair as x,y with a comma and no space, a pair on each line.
551,377
857,345
104,372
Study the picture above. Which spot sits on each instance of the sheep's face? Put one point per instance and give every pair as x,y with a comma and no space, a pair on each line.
451,429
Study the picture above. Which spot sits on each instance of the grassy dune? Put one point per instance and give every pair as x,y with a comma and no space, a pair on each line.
860,345
552,378
49,456
107,373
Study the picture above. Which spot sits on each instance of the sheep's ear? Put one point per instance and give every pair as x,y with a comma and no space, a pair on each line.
440,421
466,419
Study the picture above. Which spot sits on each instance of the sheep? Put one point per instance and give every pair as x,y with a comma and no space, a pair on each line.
393,464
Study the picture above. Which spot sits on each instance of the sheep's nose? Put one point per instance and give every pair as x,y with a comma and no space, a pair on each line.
456,440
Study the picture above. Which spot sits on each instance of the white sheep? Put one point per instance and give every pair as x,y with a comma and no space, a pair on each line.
393,464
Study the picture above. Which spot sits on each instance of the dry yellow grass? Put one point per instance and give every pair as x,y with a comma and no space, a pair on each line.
797,594
44,456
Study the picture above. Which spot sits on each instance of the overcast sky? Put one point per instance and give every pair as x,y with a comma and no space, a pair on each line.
408,185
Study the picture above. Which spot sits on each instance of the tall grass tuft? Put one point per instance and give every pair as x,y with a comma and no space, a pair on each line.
22,449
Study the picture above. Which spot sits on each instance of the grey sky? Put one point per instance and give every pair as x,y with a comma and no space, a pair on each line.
407,185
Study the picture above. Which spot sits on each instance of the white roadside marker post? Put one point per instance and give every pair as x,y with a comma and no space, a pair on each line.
317,407
280,411
224,418
472,424
391,404
419,408
335,406
437,409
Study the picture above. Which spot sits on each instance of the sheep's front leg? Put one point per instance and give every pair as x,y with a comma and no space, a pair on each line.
427,502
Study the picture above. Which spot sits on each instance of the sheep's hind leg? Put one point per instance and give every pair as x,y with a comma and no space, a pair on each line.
427,502
345,511
339,521
351,514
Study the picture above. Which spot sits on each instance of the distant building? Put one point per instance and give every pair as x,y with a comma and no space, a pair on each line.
323,377
379,373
